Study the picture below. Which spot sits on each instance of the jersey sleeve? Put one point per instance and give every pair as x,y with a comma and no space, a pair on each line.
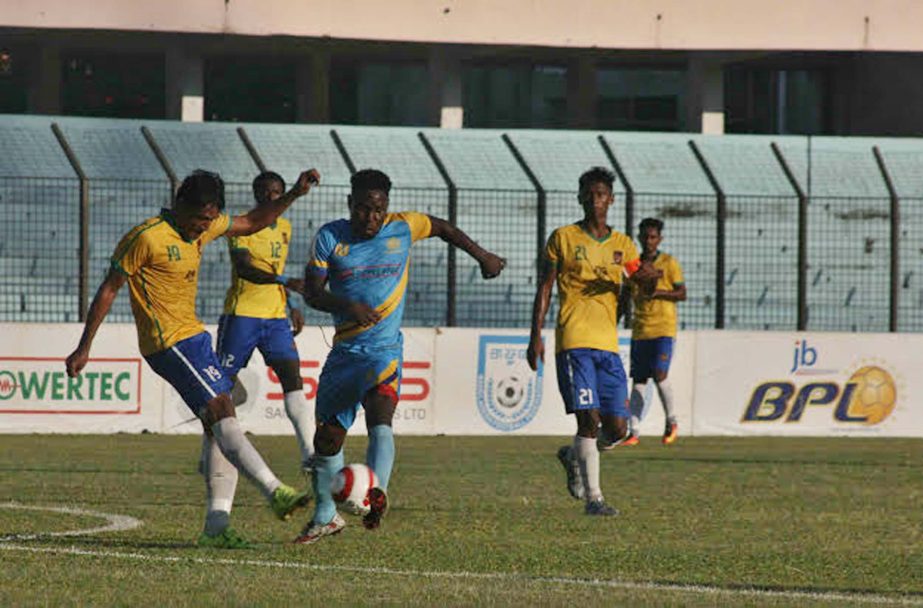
217,228
676,273
553,251
420,225
132,253
632,260
321,250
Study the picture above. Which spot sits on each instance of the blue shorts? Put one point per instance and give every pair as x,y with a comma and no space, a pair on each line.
347,377
649,356
191,367
239,336
591,379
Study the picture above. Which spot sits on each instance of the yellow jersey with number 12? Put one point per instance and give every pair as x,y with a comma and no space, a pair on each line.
268,251
162,269
590,274
657,318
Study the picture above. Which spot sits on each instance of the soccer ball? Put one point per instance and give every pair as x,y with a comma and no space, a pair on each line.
875,395
350,488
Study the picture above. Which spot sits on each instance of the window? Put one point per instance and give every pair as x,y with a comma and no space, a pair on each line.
13,96
764,100
640,99
114,85
515,96
249,90
379,93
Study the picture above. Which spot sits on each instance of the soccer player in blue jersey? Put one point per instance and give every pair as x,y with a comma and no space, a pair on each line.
364,261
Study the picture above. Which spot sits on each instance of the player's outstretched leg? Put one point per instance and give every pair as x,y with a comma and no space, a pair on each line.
671,429
328,460
235,446
296,406
379,411
220,483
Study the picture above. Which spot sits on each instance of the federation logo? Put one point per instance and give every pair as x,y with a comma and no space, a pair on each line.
509,394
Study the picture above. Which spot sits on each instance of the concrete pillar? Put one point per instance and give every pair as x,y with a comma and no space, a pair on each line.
446,90
44,95
185,85
581,93
705,95
312,88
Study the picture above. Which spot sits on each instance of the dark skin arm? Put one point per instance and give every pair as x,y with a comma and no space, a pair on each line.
263,215
536,350
490,264
243,265
318,297
102,302
677,294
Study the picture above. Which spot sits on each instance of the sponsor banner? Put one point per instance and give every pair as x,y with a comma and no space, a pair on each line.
263,412
114,393
808,384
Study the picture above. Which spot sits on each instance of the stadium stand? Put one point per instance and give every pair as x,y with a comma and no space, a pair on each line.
848,212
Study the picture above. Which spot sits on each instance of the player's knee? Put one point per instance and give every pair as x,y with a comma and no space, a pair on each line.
660,376
379,406
289,374
328,439
587,423
217,409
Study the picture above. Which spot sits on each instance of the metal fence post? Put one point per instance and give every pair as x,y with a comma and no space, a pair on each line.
162,159
343,152
802,297
895,240
629,208
720,240
451,267
83,286
252,150
541,200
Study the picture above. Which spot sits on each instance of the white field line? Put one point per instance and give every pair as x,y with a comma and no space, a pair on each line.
117,523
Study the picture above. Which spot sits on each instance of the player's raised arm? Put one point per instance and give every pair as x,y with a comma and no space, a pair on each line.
491,264
102,302
263,215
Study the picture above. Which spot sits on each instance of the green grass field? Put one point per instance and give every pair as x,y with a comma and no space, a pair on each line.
485,521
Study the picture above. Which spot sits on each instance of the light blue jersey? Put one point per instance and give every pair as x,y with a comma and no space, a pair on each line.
372,271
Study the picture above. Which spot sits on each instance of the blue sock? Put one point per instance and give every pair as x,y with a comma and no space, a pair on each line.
325,468
380,453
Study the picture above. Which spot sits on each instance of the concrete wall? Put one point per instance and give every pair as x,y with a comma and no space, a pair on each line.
878,25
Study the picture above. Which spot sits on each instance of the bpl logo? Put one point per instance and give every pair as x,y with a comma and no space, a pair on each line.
868,397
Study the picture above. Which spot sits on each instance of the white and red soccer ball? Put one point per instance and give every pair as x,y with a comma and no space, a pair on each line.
350,487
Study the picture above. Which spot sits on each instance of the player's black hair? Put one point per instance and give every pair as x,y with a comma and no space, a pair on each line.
201,188
596,175
265,177
370,179
651,222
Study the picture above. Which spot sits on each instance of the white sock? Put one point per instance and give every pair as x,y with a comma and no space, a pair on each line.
588,458
220,485
296,407
665,389
636,405
237,448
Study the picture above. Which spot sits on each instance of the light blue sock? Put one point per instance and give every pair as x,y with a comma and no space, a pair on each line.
380,453
325,468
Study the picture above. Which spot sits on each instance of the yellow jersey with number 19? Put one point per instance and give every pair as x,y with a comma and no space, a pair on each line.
590,274
162,269
268,251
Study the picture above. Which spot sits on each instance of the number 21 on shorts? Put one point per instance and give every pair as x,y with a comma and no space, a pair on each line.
585,396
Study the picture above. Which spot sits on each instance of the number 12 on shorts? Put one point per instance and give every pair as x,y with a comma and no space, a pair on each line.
585,396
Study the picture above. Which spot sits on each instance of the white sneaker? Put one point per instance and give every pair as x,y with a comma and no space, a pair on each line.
313,532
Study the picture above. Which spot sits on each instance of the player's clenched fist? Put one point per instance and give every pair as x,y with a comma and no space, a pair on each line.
492,265
303,184
76,362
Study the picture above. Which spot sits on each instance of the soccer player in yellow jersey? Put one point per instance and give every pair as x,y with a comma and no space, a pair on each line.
160,259
255,312
653,330
588,260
